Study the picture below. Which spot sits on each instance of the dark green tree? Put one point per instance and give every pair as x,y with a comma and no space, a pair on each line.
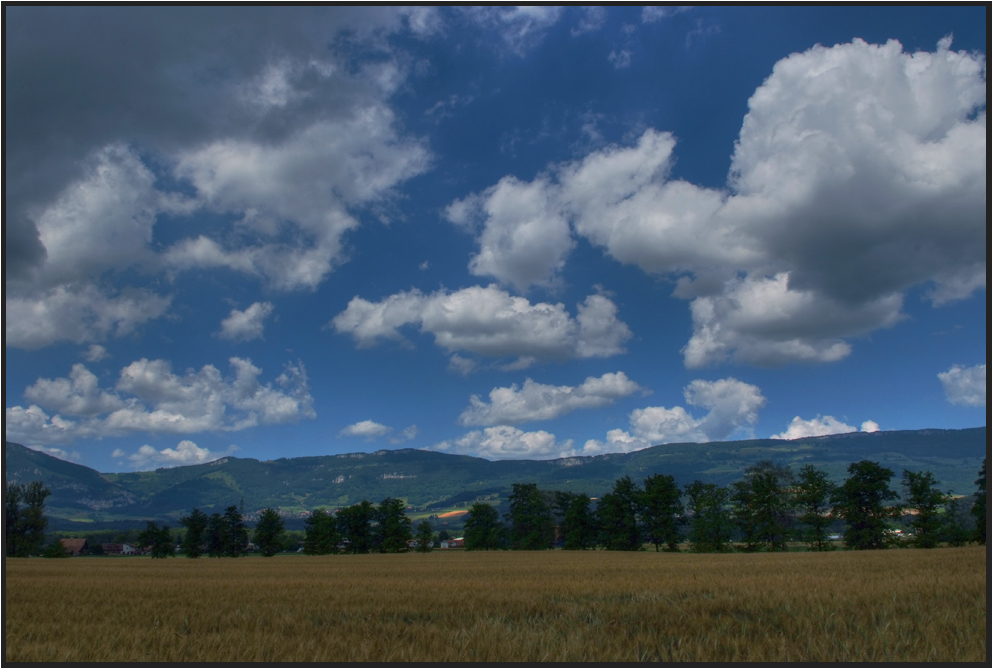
217,535
425,539
952,530
236,539
55,550
157,540
393,526
483,530
979,506
812,497
355,527
762,506
710,523
269,532
321,535
196,532
662,511
531,527
577,524
927,501
862,501
617,517
24,518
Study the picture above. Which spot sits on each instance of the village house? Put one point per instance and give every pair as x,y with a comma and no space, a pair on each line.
453,543
119,549
75,546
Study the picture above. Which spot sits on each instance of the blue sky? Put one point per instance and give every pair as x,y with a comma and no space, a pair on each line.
512,233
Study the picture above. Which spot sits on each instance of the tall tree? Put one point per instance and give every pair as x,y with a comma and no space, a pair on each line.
24,518
237,532
710,524
762,505
862,502
530,519
217,535
196,531
157,539
662,511
393,526
355,526
425,539
924,498
321,535
577,525
269,532
812,497
979,506
952,529
617,517
483,530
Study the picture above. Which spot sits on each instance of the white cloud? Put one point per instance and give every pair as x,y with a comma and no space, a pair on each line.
61,454
859,172
246,325
95,353
869,426
524,239
406,434
620,59
508,443
538,401
817,427
733,406
654,14
148,397
965,385
489,322
367,429
78,314
592,19
185,453
522,28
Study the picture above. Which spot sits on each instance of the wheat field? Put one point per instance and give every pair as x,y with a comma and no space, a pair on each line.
889,606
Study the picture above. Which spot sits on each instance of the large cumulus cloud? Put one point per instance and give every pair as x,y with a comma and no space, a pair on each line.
859,172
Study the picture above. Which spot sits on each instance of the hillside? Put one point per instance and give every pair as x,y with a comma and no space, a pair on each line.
436,480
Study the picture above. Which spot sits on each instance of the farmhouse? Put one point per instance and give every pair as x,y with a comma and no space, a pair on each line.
453,543
119,549
75,546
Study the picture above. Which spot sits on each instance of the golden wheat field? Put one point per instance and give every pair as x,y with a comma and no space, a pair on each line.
893,606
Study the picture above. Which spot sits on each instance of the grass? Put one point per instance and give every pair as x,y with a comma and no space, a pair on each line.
894,606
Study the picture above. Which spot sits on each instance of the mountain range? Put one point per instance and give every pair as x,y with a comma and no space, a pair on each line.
429,480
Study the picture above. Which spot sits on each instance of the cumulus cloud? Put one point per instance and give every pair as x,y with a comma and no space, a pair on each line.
965,385
869,426
95,353
489,322
60,453
185,453
246,325
284,137
504,442
859,172
733,406
538,401
149,397
818,427
367,429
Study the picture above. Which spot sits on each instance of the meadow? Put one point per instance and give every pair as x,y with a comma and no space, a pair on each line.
552,606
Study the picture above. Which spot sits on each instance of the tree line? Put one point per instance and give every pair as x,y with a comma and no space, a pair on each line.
767,508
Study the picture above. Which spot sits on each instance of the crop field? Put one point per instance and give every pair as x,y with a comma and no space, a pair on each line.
555,606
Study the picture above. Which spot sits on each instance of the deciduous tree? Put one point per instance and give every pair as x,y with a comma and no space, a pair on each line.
662,511
577,524
926,500
813,501
196,532
157,540
269,532
393,526
617,517
24,518
483,530
862,502
761,505
979,506
425,540
355,526
710,524
530,519
321,535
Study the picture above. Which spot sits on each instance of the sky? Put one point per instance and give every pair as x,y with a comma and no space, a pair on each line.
514,233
